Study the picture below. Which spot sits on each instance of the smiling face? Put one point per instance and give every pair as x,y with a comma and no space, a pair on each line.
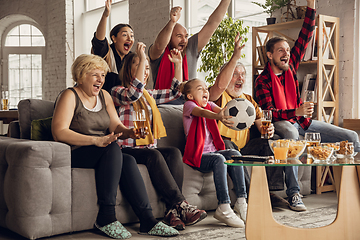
279,58
235,87
199,92
92,82
124,40
179,38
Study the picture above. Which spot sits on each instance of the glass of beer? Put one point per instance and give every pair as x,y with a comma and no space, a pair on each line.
312,140
280,149
309,97
5,104
265,123
139,119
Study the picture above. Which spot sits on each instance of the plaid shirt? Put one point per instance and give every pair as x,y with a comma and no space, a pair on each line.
124,97
263,86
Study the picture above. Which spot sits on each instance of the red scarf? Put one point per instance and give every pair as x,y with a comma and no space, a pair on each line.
196,138
285,97
167,71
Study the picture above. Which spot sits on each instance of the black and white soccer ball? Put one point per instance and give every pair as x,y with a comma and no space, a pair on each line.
243,113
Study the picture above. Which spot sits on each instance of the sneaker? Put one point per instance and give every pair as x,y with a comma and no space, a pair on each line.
229,218
241,209
295,203
189,214
172,219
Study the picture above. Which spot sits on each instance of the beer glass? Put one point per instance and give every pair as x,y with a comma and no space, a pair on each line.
265,123
309,97
139,119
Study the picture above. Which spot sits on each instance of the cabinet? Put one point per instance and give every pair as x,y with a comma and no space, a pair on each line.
326,66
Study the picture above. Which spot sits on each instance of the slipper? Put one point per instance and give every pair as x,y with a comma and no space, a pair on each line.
161,230
115,230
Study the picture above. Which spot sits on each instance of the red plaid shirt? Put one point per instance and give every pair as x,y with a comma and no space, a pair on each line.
263,86
124,97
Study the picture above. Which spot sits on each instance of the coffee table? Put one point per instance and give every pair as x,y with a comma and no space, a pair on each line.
260,223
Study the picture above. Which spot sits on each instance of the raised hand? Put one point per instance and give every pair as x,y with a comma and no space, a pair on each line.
106,140
175,56
238,47
140,50
107,9
175,14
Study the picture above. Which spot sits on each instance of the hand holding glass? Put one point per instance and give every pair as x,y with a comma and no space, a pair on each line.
265,123
139,119
309,97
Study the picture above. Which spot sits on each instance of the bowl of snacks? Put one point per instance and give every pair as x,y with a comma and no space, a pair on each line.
346,149
320,154
296,147
335,146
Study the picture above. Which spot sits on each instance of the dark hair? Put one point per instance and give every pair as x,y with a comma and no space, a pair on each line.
125,72
272,41
186,87
115,30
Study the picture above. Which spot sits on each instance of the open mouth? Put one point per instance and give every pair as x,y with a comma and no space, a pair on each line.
284,60
127,46
97,87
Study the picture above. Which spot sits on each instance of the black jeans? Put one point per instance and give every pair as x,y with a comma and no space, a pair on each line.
165,167
111,168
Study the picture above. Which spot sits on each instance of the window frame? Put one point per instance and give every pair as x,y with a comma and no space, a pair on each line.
6,51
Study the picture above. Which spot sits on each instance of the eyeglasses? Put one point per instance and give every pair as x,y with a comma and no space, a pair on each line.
237,75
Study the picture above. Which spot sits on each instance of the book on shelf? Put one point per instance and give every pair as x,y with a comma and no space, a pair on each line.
309,84
314,55
308,51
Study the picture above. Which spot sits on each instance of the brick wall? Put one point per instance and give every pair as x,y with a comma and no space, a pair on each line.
55,19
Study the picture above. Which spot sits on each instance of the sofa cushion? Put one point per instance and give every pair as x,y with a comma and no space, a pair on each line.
41,130
32,109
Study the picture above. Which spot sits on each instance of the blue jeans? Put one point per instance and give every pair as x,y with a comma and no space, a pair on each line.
214,161
328,132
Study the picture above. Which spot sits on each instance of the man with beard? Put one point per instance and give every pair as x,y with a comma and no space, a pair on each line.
229,85
277,89
174,35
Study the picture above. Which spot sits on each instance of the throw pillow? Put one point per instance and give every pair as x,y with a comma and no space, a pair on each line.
41,130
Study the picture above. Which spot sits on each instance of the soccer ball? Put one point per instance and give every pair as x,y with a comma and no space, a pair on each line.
242,111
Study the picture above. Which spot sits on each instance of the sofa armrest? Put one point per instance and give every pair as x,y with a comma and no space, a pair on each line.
14,129
35,180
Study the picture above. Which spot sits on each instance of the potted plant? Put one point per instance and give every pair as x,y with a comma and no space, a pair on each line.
221,46
270,6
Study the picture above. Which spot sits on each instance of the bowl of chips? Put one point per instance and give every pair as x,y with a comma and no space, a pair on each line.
320,154
346,149
296,147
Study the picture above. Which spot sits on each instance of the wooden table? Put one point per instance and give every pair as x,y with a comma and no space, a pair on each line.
8,116
260,223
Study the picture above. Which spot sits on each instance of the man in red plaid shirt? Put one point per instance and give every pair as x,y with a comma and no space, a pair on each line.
277,89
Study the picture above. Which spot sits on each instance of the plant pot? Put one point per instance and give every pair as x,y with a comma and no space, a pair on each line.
271,20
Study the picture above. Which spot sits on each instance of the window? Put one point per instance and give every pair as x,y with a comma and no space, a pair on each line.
23,54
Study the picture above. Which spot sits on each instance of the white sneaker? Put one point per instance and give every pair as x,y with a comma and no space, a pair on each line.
229,218
241,209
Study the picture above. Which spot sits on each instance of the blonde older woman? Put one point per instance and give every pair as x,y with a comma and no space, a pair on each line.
86,119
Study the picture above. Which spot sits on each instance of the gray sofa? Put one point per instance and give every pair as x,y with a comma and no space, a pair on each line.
40,195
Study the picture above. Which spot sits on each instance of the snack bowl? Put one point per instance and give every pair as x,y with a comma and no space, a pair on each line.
335,146
321,154
346,150
296,147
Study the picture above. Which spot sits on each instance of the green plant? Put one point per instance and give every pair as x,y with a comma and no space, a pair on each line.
221,46
271,5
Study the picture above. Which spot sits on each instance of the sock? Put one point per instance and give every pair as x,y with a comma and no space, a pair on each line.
224,207
241,200
106,215
147,224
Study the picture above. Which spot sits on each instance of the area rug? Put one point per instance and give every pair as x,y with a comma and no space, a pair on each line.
312,218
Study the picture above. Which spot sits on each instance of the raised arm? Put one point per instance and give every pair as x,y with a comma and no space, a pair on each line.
140,51
164,36
225,75
311,3
176,58
213,22
101,28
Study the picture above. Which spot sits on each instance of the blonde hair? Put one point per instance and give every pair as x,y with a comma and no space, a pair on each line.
85,63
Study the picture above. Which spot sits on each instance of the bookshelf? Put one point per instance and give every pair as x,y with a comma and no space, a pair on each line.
326,67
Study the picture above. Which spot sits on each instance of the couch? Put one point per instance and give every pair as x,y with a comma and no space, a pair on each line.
41,195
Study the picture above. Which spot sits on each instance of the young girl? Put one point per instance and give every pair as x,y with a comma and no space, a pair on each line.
164,165
204,150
